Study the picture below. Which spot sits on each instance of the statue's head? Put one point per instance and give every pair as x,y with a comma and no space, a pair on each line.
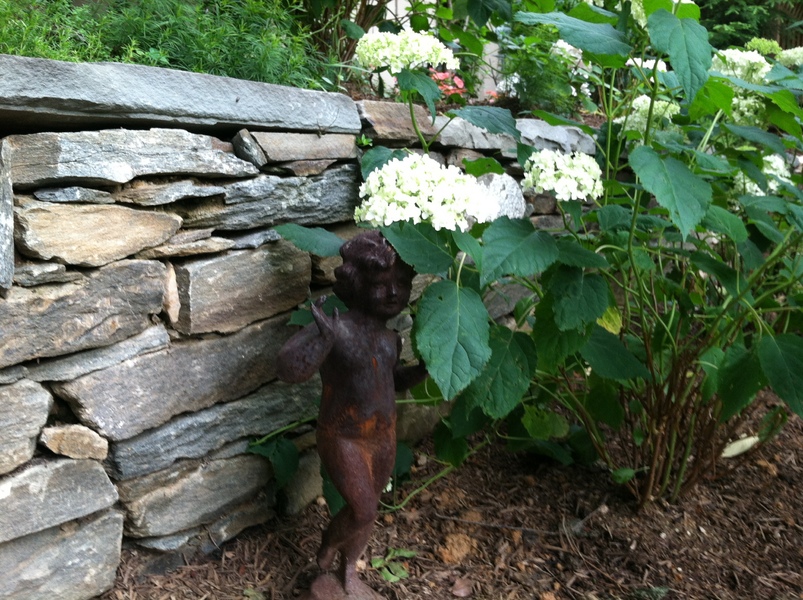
373,278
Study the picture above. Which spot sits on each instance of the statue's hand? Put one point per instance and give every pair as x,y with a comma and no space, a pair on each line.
326,324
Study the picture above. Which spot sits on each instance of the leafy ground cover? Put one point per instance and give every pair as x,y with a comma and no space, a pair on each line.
514,527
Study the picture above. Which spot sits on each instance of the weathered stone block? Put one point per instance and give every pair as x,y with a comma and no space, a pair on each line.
75,561
224,293
51,493
6,220
146,391
190,494
74,441
390,121
209,245
117,156
24,407
89,235
110,305
29,274
81,363
147,193
268,200
196,434
74,193
282,146
41,93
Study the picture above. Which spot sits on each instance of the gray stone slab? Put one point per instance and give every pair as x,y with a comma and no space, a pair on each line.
147,391
24,407
88,235
268,200
29,274
45,93
74,194
210,245
114,156
282,146
78,364
544,136
75,561
254,239
195,435
6,220
146,193
224,293
190,494
51,493
108,306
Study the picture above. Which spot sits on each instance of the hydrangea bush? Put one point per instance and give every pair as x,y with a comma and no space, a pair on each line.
671,296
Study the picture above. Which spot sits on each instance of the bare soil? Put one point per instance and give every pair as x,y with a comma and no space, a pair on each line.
514,526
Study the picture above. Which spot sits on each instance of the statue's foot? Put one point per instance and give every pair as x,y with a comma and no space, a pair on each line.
329,587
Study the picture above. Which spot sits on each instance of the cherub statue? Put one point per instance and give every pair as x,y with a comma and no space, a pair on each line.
358,358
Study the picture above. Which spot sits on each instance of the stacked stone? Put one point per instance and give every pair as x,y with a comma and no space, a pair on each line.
144,296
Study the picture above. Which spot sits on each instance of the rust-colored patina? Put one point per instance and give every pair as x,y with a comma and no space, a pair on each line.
358,358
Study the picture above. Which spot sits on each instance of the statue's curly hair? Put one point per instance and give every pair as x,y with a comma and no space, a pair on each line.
366,253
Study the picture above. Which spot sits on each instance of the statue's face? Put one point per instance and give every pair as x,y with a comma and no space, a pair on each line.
387,292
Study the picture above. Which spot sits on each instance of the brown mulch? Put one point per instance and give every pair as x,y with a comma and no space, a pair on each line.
510,527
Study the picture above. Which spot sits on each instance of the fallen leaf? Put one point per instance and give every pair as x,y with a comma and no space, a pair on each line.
456,548
462,587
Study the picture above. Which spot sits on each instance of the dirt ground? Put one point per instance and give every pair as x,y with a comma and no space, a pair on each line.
515,527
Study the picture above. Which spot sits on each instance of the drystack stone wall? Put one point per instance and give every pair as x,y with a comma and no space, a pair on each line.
144,296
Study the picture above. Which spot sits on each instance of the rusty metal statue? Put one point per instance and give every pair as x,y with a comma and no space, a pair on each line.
358,358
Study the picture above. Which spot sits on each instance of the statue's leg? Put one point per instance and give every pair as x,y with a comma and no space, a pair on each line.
359,470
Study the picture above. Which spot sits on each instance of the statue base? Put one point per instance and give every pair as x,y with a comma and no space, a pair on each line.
328,587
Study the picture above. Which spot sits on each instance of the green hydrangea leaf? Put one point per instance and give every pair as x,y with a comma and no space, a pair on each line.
686,43
417,81
490,118
451,333
579,298
515,247
597,38
739,380
781,359
314,240
685,195
506,377
421,246
610,358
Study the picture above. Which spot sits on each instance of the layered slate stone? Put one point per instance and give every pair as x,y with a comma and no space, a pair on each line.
29,273
269,199
109,305
6,220
52,493
24,407
73,561
81,363
146,391
195,435
146,193
390,121
190,494
74,193
46,93
281,147
226,292
89,235
98,158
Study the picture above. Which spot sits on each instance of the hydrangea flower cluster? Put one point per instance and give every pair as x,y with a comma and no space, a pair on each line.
419,189
405,50
750,66
792,57
573,58
636,120
575,176
777,172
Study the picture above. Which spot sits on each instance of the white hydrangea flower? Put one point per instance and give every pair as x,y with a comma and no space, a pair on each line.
405,50
636,120
566,51
791,57
744,64
575,176
638,12
419,189
776,169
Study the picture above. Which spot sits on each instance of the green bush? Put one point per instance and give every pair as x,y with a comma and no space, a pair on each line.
245,39
735,22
